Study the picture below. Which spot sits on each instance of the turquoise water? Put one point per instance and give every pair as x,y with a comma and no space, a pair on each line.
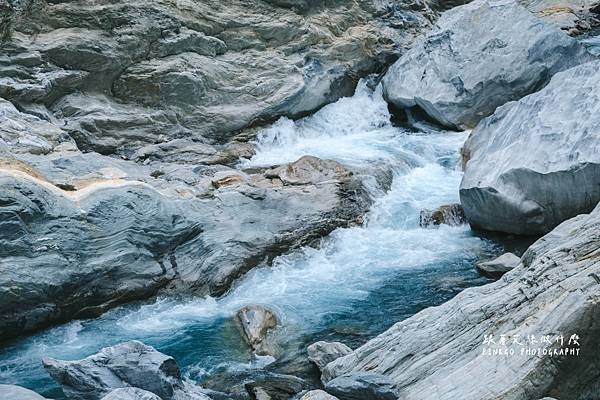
357,283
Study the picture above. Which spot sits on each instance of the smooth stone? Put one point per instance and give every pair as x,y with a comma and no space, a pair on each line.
256,321
12,392
318,395
536,162
450,214
499,266
439,352
362,386
131,393
479,56
322,353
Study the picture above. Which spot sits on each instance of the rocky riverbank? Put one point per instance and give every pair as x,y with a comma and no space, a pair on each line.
122,127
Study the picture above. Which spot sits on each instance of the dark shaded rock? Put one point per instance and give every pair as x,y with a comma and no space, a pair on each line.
322,353
255,322
515,52
362,386
451,214
499,266
536,162
276,387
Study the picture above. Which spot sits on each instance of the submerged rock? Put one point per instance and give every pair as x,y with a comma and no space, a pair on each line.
322,353
450,214
439,353
479,56
128,364
499,266
12,392
536,162
256,321
362,386
131,393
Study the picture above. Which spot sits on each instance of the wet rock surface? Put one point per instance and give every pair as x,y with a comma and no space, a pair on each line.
535,162
438,352
478,57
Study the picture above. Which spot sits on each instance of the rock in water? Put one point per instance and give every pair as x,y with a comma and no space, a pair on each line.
439,353
12,392
480,56
362,386
131,393
318,395
256,321
276,387
499,266
322,353
127,364
451,214
536,162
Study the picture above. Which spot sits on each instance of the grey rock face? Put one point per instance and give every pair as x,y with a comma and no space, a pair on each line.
92,232
362,386
322,353
256,321
438,353
130,393
573,16
450,214
128,364
499,266
536,162
12,392
479,56
119,76
276,387
318,395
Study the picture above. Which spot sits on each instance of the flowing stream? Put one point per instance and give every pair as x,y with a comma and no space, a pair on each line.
357,283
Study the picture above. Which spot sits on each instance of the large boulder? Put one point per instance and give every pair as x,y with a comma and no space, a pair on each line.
479,56
130,364
322,353
461,349
91,232
536,162
12,392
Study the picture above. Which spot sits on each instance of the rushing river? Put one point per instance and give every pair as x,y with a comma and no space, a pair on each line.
356,284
